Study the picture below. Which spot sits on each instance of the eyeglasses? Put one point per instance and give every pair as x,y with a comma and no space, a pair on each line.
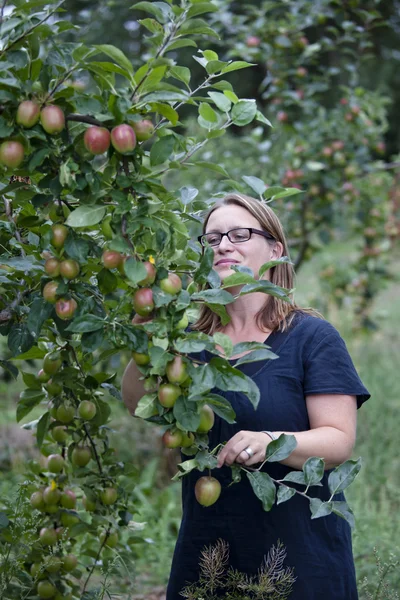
236,236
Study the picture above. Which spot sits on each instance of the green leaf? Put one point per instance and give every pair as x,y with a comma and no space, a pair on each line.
220,311
86,323
255,183
225,342
5,128
42,428
186,467
237,279
284,493
214,296
182,74
28,400
313,470
151,25
221,101
39,312
161,150
161,10
107,281
262,119
222,407
166,111
229,378
182,43
273,263
117,55
20,339
134,270
213,167
276,192
203,379
295,477
263,487
343,475
343,510
279,449
186,413
244,112
31,354
197,27
12,369
319,508
102,415
86,215
205,460
76,247
268,288
207,113
200,8
147,406
255,356
4,521
236,65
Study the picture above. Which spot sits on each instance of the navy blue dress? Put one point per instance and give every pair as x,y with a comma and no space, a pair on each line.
313,359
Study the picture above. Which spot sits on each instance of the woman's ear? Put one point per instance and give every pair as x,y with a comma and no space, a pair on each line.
277,251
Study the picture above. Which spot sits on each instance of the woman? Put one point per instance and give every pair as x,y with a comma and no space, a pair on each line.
311,391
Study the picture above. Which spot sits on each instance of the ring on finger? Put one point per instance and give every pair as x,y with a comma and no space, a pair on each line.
249,451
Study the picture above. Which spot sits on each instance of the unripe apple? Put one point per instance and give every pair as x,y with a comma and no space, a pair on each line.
109,496
168,393
171,284
52,119
11,154
87,410
52,267
123,138
59,236
65,308
141,358
69,268
187,439
111,259
58,212
69,519
43,377
207,419
172,439
143,302
28,114
52,363
59,434
55,463
80,456
53,564
48,536
53,388
89,505
36,571
176,370
65,414
183,322
143,130
68,499
70,562
111,540
49,292
37,501
46,589
97,140
51,495
151,274
207,490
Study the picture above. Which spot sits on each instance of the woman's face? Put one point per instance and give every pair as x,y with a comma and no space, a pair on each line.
253,253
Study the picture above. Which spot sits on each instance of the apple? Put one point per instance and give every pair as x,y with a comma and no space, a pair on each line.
69,519
55,463
151,274
46,589
49,292
87,410
11,154
143,129
141,358
65,308
338,145
69,268
68,499
171,284
89,505
207,490
143,302
183,322
52,119
48,536
110,540
70,562
36,500
187,440
207,419
253,41
80,456
123,138
65,413
43,377
59,434
282,116
52,267
58,212
172,439
36,571
53,388
301,72
51,495
97,140
28,114
59,236
176,370
168,393
111,259
53,564
109,496
52,363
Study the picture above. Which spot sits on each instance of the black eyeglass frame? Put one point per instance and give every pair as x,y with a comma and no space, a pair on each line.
250,229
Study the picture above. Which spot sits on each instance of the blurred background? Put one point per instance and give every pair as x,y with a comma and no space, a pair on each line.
326,75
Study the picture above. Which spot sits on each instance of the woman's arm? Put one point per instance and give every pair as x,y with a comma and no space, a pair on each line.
331,436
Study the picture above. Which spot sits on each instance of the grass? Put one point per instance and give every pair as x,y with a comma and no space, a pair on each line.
374,496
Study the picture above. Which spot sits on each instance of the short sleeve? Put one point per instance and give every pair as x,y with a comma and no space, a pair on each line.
329,369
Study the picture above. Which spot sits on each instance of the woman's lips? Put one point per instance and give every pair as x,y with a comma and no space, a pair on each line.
226,262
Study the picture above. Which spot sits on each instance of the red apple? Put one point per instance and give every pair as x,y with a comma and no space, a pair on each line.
282,116
65,308
52,267
28,113
143,130
51,495
111,259
97,140
59,236
171,284
50,292
168,393
52,119
123,138
207,490
11,154
48,536
207,418
301,72
253,41
52,363
69,268
143,302
172,439
151,274
68,499
176,370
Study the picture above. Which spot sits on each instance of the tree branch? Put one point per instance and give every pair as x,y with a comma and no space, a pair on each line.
84,119
3,5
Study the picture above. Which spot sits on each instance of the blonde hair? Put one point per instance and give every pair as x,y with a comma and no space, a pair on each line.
275,313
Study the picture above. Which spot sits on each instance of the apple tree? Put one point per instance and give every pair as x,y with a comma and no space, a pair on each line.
90,237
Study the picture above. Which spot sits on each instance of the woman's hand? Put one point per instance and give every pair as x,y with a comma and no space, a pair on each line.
256,443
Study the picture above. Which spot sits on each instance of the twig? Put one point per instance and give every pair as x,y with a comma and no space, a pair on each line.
84,119
97,558
55,88
2,10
